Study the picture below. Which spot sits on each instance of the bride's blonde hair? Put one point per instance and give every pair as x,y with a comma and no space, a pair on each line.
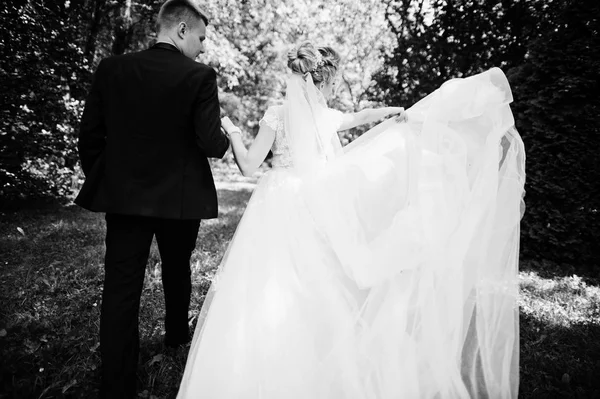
321,62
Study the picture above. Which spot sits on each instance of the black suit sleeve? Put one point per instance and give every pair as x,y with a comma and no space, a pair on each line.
207,118
92,130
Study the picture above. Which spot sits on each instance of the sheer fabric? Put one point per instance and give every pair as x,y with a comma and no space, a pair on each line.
387,271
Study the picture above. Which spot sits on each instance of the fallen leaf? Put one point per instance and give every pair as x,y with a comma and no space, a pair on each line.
20,230
3,333
156,359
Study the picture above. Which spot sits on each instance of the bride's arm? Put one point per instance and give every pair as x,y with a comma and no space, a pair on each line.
368,115
248,160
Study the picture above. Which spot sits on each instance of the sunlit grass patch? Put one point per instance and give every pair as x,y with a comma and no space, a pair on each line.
564,301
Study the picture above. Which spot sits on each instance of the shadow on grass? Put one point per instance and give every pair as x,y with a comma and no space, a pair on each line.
559,361
560,337
50,290
550,269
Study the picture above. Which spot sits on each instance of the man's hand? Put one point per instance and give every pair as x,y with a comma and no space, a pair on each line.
229,127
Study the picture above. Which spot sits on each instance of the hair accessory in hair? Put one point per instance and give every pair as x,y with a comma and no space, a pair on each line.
319,61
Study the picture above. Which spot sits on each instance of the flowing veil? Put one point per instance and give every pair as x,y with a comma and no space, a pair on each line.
311,137
384,269
424,218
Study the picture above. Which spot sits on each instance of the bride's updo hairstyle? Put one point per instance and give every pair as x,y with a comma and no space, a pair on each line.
321,62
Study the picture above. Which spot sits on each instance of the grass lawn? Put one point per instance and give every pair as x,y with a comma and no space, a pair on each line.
51,264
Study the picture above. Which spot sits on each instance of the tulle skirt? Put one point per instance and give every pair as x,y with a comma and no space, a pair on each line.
390,272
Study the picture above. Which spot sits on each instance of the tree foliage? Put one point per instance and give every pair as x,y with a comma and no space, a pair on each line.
250,40
558,112
40,70
440,40
47,56
550,52
54,47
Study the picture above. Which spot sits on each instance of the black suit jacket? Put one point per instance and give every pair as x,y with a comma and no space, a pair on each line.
150,123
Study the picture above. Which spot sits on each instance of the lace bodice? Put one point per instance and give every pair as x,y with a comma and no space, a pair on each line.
273,118
280,149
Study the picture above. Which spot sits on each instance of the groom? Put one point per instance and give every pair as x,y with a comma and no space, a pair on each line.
150,123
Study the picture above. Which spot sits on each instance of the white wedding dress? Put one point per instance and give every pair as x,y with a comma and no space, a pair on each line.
389,270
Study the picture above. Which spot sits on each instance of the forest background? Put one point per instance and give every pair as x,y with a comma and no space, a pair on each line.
394,52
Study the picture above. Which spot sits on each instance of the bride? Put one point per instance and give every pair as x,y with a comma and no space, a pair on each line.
385,269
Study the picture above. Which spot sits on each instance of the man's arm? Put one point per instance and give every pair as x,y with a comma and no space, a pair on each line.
92,130
207,119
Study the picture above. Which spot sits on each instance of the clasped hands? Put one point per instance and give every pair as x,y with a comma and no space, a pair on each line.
228,126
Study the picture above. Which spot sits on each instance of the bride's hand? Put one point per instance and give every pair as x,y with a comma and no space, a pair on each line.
401,115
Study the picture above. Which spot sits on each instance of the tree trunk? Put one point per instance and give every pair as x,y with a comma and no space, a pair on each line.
90,45
123,29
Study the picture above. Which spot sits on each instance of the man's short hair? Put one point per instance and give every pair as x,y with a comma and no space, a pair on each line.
173,12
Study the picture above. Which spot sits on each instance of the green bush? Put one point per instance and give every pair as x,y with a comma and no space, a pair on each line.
43,76
557,110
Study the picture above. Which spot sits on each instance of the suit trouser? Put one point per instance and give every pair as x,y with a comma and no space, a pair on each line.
128,241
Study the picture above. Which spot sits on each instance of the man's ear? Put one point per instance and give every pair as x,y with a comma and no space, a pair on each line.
182,29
